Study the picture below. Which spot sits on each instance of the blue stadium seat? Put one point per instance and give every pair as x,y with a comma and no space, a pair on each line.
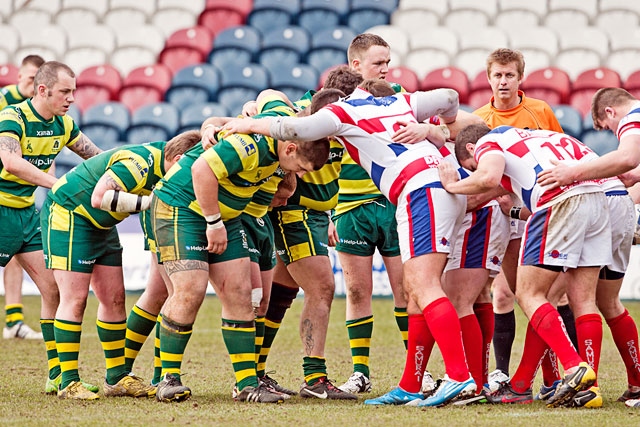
235,45
153,122
192,116
75,113
241,84
66,160
369,13
316,15
284,46
106,122
295,80
601,142
193,84
269,14
570,119
329,47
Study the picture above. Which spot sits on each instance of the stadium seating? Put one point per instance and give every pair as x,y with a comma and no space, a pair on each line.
145,6
539,7
194,7
89,46
98,7
581,50
625,50
137,46
76,114
145,85
50,42
30,18
96,84
452,77
397,38
269,14
284,46
193,84
329,47
364,14
475,45
153,122
218,18
8,74
467,17
480,91
294,80
415,18
240,84
124,18
78,17
316,15
587,83
430,48
602,142
106,122
631,83
569,118
10,43
235,45
539,45
404,76
242,6
170,20
551,84
192,116
184,47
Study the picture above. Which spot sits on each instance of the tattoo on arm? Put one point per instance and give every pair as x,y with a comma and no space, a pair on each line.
112,183
307,336
85,148
185,265
10,145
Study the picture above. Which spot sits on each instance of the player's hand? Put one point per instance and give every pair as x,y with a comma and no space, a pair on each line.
411,132
333,234
250,108
560,174
237,126
208,136
448,174
217,240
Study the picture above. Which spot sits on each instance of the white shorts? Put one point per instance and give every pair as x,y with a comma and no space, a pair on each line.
516,228
574,232
481,240
428,219
622,214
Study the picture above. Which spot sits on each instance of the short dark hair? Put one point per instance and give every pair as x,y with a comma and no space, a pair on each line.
607,97
180,143
361,43
469,135
324,97
377,87
35,60
343,78
48,73
317,151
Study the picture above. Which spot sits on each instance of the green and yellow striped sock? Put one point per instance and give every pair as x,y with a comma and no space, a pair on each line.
314,368
360,331
112,337
13,314
157,361
174,338
240,338
68,335
259,336
402,320
270,330
140,324
49,336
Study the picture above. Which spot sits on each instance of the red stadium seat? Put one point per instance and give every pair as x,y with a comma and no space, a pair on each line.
480,91
588,82
405,77
97,84
144,85
631,84
8,74
186,47
452,77
222,16
550,84
244,6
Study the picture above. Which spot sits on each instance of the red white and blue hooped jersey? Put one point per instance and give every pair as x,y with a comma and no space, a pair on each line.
365,126
630,123
526,154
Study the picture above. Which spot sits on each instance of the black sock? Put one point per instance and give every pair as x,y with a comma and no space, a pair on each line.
504,332
569,323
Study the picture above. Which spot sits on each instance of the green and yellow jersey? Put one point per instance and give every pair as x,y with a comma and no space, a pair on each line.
40,141
136,169
10,95
242,164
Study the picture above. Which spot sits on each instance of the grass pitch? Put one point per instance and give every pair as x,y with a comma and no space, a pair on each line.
207,371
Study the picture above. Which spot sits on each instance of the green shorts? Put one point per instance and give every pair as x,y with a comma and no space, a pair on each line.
369,226
19,232
260,239
147,229
181,234
72,243
300,233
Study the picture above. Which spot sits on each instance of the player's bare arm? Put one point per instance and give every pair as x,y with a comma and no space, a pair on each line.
12,162
85,148
205,187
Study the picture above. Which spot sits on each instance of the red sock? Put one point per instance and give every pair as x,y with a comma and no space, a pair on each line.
546,321
486,319
472,340
419,345
625,334
589,331
445,327
535,349
550,371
